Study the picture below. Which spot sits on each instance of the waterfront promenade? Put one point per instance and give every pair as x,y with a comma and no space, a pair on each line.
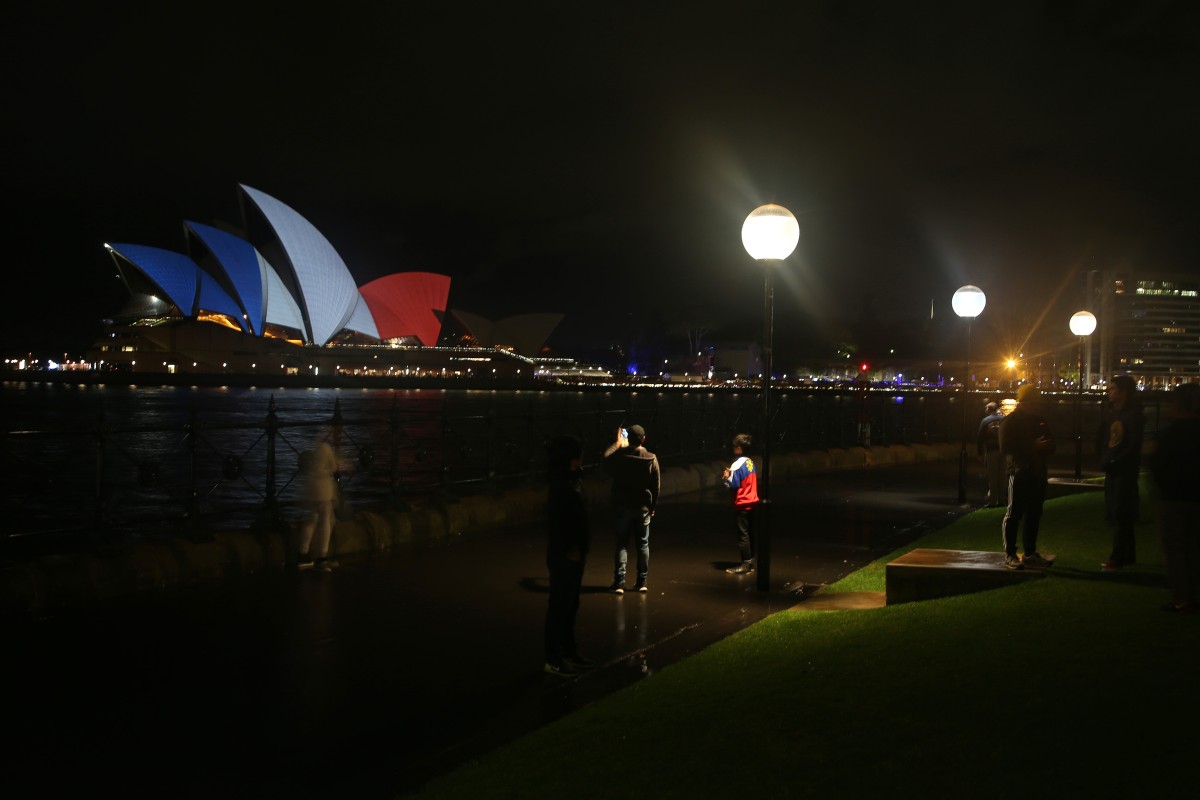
403,664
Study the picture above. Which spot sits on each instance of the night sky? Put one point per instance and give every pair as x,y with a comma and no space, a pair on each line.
600,162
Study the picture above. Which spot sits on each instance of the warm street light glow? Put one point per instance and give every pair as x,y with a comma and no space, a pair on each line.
1083,323
770,233
1011,363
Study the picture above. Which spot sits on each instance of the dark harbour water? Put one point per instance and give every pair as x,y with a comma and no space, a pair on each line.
107,461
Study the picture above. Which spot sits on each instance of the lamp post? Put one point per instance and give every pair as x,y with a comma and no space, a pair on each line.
769,234
967,302
1082,325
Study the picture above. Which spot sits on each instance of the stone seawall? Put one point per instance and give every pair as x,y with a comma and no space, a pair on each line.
38,585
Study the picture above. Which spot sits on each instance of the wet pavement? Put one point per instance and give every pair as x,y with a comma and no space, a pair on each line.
368,681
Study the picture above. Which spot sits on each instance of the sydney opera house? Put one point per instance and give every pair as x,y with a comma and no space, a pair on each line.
272,298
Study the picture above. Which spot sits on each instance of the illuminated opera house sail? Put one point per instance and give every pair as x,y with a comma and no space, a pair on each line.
273,297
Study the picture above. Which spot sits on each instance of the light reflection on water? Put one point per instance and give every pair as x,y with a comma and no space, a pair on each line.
403,444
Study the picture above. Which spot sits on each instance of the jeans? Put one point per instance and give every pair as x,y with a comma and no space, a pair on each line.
632,522
1121,513
745,528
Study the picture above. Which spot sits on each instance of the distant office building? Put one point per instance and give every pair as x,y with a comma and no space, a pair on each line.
1149,327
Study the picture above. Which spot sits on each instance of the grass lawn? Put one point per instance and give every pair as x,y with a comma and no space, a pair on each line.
1072,686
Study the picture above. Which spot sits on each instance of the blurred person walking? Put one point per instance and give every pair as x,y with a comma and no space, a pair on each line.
321,471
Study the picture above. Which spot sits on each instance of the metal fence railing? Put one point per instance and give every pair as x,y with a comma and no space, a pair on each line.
109,479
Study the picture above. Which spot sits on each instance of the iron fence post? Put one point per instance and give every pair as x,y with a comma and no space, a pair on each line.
491,483
272,427
528,444
336,422
99,486
394,445
193,505
444,492
191,438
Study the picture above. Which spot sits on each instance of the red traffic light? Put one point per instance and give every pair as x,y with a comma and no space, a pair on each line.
864,366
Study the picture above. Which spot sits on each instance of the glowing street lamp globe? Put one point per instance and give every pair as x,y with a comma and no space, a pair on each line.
1083,323
968,301
770,233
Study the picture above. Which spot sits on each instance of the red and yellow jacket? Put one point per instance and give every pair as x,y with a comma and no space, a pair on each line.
743,480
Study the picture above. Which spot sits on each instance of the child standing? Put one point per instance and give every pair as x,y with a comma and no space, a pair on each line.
741,479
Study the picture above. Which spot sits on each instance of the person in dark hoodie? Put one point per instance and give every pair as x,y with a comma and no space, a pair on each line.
1121,461
636,483
1025,442
1176,470
566,554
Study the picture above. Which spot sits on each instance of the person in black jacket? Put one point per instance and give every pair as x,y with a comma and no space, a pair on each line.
636,483
1121,461
1025,442
1175,467
566,554
987,444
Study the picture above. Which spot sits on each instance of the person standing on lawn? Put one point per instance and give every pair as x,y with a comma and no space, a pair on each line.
1026,442
1121,462
987,443
1175,466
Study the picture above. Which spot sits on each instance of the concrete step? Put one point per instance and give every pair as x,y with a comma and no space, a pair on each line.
928,573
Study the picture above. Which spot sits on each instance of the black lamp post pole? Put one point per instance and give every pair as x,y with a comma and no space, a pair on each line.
962,455
1078,412
762,530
